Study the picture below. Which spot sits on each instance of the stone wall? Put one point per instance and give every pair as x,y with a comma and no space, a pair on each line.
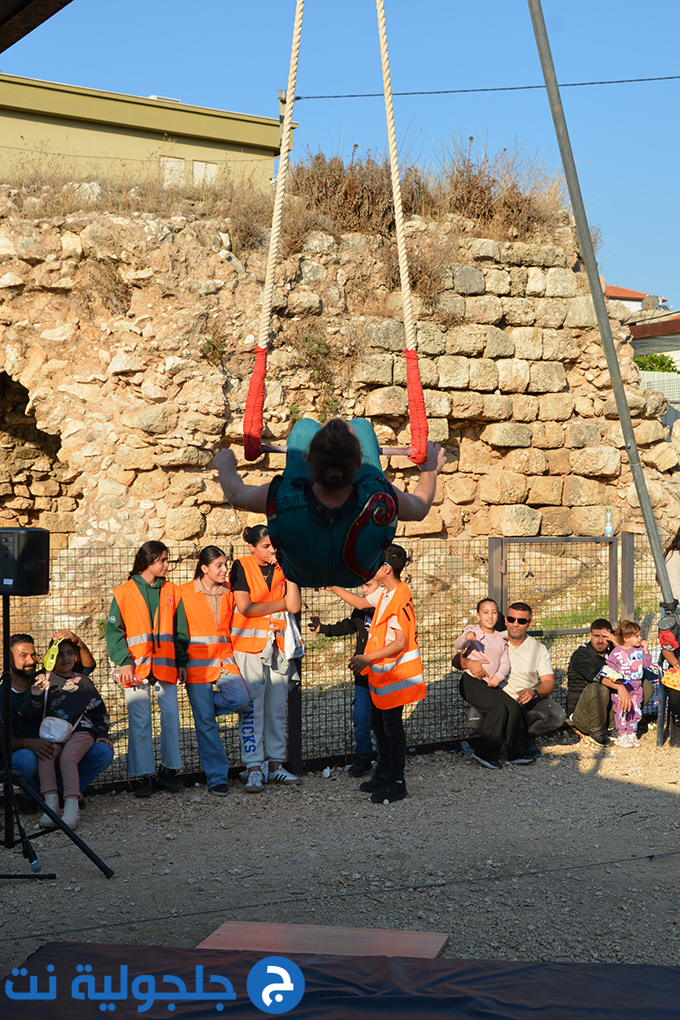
132,338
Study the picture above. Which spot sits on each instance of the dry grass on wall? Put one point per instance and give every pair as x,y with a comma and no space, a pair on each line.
506,196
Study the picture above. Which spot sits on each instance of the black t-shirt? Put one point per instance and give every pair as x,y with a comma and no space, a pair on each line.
238,580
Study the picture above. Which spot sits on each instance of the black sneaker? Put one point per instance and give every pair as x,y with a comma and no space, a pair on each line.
533,751
488,763
601,737
143,787
379,778
360,767
221,790
26,806
170,779
521,759
396,790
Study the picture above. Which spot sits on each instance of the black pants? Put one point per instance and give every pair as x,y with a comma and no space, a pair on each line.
388,726
502,718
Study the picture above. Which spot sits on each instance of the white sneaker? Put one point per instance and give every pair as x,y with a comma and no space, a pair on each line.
282,775
264,769
255,782
52,801
623,740
634,742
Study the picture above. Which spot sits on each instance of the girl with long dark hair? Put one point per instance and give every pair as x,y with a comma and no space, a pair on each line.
147,637
263,597
209,606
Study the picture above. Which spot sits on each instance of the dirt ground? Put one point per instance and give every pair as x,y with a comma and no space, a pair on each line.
573,858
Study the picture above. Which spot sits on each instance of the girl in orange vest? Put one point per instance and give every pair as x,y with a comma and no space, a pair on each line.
146,635
209,606
263,597
395,671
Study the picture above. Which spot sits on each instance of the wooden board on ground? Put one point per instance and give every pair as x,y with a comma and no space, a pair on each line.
255,936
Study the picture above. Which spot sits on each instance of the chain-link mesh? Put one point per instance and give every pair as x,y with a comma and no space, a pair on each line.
566,583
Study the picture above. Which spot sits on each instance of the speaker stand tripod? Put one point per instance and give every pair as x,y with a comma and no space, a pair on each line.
10,779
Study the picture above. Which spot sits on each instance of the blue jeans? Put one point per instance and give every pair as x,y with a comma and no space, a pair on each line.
98,758
205,705
141,761
361,721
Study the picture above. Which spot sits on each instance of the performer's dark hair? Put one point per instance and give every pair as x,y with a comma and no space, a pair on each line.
146,555
206,557
334,454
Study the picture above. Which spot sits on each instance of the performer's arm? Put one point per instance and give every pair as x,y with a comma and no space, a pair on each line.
239,495
416,505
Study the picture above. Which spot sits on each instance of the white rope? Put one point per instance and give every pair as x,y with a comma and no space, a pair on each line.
272,257
407,303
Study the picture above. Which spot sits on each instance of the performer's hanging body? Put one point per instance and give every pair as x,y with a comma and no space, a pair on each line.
332,512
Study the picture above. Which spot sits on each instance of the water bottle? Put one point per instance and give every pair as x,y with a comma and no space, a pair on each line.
608,523
137,681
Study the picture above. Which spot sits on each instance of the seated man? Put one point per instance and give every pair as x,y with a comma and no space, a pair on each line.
27,746
529,685
531,680
589,701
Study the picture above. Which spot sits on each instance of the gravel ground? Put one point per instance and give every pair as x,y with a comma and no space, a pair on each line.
576,857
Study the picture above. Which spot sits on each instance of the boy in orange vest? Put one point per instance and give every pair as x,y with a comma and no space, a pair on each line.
395,671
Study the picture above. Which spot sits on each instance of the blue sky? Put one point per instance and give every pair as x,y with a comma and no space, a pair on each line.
235,57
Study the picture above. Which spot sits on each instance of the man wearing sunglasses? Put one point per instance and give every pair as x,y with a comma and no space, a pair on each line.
531,680
525,708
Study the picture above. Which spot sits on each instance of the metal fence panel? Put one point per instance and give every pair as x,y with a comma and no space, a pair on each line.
567,587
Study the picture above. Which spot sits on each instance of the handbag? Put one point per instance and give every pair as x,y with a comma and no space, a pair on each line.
293,647
56,729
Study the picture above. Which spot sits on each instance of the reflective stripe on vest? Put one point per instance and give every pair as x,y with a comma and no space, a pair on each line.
250,633
377,667
153,651
209,644
396,681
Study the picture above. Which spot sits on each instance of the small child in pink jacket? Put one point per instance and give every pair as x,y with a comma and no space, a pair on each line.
486,643
630,658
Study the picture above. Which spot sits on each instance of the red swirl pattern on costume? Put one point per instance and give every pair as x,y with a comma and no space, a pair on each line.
382,508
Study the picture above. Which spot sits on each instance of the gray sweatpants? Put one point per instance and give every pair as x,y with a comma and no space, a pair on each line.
263,723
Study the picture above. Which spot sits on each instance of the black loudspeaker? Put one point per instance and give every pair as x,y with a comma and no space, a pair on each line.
24,561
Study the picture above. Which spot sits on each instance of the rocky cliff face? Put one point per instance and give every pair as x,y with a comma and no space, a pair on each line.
127,350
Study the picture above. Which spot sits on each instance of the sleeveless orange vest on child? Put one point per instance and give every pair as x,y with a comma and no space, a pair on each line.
210,650
151,642
250,633
399,680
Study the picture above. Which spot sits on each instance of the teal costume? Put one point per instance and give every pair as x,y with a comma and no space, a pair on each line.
317,546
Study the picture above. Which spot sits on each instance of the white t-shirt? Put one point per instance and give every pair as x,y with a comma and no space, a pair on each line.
527,663
393,624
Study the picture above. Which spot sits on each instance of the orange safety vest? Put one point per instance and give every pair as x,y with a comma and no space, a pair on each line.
151,643
210,651
250,633
395,681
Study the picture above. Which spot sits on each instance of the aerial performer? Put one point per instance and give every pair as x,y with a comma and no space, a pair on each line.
332,513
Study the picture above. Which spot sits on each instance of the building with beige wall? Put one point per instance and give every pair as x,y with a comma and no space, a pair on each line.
48,129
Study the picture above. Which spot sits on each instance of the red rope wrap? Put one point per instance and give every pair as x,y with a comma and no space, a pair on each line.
252,419
416,406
